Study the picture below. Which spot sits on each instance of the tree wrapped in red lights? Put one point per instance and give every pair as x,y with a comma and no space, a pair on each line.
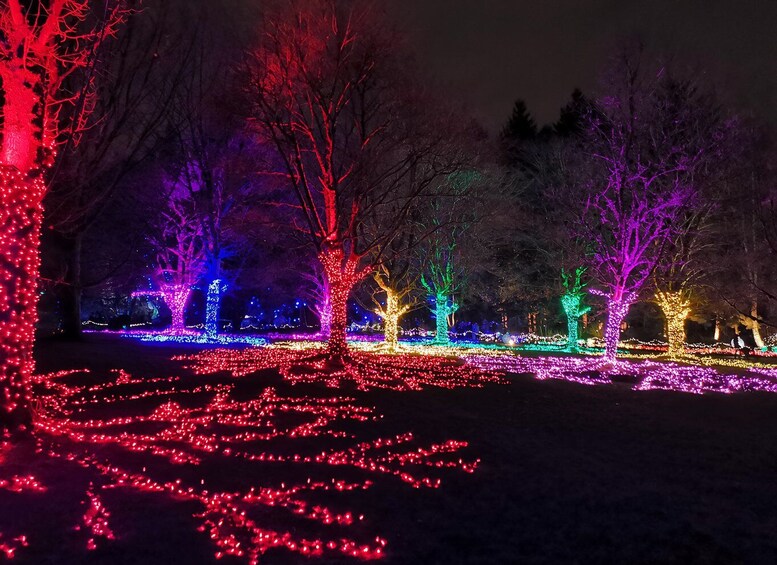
646,144
42,44
328,90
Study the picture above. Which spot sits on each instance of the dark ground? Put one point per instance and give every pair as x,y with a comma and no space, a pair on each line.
569,474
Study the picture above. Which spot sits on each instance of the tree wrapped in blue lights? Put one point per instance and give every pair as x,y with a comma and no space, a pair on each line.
572,302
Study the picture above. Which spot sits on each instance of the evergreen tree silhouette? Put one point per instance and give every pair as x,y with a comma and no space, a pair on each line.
520,128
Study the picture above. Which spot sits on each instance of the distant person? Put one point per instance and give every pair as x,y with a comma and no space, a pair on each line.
739,345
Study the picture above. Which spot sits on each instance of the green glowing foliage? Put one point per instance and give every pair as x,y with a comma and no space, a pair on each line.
572,302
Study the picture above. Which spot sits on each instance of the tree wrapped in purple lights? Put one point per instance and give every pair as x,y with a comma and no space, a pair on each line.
645,143
572,302
181,259
319,293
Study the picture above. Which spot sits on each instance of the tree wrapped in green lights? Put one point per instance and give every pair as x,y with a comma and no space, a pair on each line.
452,212
572,302
440,282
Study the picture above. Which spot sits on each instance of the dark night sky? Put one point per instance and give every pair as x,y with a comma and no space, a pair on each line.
494,51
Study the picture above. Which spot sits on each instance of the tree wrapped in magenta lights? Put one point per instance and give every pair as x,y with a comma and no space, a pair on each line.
42,45
647,143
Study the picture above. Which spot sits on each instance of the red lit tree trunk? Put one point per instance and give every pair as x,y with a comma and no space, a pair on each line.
342,273
20,220
19,144
40,47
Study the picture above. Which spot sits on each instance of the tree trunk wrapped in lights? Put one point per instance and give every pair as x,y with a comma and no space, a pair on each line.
755,325
319,294
676,307
181,257
212,306
440,282
176,298
324,311
40,47
572,302
342,273
443,307
20,220
617,307
393,310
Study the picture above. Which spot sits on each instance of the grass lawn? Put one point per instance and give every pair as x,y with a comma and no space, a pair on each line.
567,473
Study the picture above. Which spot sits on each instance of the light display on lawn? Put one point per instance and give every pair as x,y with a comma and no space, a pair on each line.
645,374
572,302
181,431
298,363
193,336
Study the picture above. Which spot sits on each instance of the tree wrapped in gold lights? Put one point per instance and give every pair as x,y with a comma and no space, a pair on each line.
42,44
396,305
676,307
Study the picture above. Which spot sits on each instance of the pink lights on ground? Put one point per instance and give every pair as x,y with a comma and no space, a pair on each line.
8,548
95,519
364,371
173,438
22,483
646,375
